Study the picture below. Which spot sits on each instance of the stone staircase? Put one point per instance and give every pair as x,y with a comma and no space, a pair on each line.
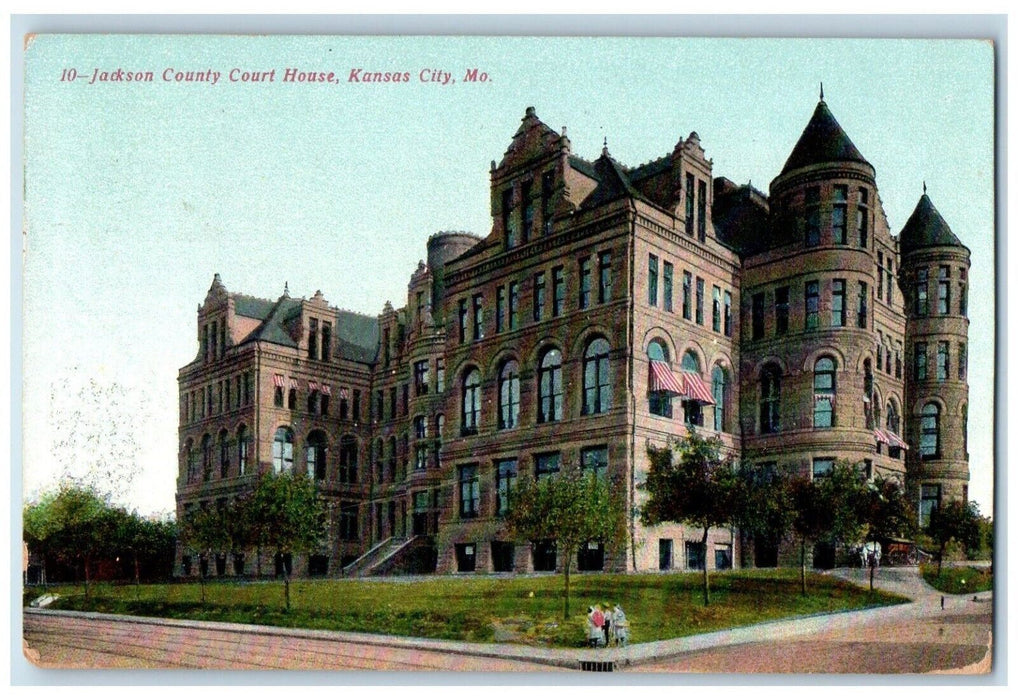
380,559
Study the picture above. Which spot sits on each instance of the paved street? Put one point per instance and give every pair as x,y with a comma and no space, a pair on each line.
915,638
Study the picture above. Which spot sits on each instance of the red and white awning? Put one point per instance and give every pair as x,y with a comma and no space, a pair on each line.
823,397
881,436
326,390
312,385
696,389
278,380
293,383
663,380
895,441
344,393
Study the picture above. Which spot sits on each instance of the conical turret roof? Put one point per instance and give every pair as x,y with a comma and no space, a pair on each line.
822,141
926,228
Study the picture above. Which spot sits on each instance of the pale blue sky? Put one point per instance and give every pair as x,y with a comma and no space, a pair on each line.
137,193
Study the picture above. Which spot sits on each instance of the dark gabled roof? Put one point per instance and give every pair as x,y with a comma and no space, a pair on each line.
654,167
822,141
252,307
613,183
583,166
926,228
273,328
357,336
741,219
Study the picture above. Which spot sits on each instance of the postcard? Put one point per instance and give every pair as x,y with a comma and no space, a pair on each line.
508,353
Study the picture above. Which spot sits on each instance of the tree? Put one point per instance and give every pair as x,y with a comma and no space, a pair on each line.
73,524
203,531
827,507
886,513
766,509
956,521
285,515
701,488
571,509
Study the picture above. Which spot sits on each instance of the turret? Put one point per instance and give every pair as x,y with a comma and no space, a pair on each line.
934,282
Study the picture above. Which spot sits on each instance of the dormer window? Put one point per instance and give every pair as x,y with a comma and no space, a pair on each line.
313,339
547,187
690,203
528,213
701,211
507,219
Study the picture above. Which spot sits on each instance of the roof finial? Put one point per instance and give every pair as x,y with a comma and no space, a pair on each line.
604,150
821,90
286,289
924,186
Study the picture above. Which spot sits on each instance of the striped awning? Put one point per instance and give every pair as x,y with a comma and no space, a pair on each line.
278,380
696,389
344,393
326,389
895,441
663,380
823,397
293,383
312,385
881,436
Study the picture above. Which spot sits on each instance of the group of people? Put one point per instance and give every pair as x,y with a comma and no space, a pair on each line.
607,626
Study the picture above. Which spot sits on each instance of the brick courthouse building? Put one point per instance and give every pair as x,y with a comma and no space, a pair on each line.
608,309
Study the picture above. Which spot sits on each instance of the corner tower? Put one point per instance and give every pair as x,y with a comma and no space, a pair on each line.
934,281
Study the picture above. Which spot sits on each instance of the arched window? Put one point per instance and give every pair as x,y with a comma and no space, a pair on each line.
313,402
509,395
770,399
379,460
824,391
392,458
224,454
597,389
278,397
692,409
242,447
929,433
892,418
206,456
471,417
718,389
291,401
192,471
282,450
660,401
965,429
314,452
348,459
549,384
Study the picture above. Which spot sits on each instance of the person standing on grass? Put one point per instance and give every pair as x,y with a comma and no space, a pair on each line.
606,626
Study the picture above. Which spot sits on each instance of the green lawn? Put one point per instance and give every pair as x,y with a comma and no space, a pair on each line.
523,609
958,579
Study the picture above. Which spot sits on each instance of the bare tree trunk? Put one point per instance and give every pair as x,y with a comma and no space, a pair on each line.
706,580
286,587
873,568
137,577
802,564
88,568
568,564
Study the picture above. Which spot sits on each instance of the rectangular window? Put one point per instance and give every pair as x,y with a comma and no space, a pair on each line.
920,361
862,218
699,300
864,293
439,376
667,291
547,188
963,300
421,377
690,203
478,317
822,466
507,218
585,282
313,339
944,291
652,280
716,308
392,403
538,296
356,404
897,363
695,557
528,212
326,341
379,404
594,460
701,210
463,320
890,278
500,309
546,465
604,264
929,502
728,314
812,305
880,276
757,320
943,361
921,289
781,311
386,347
505,482
687,295
838,304
213,339
514,306
962,360
470,491
839,215
348,521
558,290
812,216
